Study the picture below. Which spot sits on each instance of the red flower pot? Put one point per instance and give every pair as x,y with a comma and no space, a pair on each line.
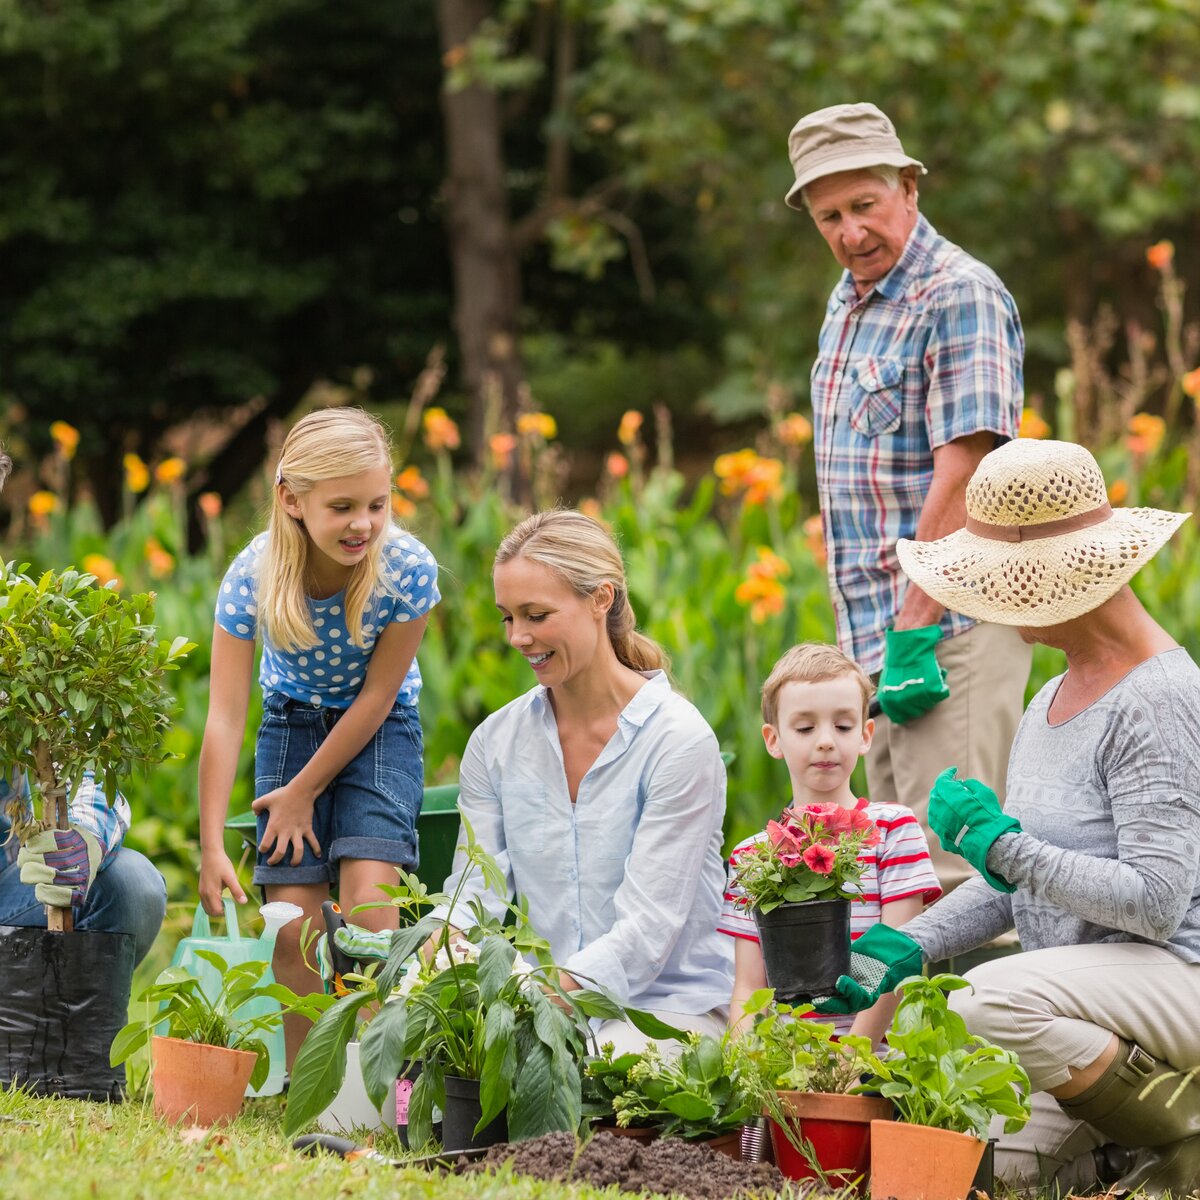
837,1127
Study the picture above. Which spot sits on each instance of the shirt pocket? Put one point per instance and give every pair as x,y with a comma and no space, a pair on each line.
524,810
877,397
607,825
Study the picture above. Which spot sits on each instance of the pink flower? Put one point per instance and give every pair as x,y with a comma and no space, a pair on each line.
789,859
819,858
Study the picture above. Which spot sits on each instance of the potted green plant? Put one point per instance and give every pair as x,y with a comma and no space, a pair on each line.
82,676
605,1077
947,1085
798,881
803,1074
212,1047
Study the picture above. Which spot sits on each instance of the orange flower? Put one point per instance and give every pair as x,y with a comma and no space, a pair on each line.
170,470
590,507
1032,425
537,424
630,427
412,483
104,569
768,565
441,433
137,474
814,533
160,561
1160,255
502,446
402,506
765,481
795,430
732,470
66,438
210,504
1118,492
1191,383
764,597
42,504
617,465
1145,434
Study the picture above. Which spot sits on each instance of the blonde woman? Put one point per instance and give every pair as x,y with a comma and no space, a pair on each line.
600,792
341,597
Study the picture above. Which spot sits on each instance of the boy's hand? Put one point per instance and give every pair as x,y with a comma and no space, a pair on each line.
879,961
289,825
967,818
61,864
912,682
216,874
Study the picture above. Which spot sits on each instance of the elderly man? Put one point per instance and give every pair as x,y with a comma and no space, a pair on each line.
918,376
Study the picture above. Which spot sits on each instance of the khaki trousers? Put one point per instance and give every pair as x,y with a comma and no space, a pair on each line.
627,1039
1058,1008
986,668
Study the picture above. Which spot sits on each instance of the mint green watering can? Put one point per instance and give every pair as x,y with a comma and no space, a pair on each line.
234,948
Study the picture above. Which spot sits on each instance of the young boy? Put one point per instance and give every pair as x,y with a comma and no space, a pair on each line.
814,707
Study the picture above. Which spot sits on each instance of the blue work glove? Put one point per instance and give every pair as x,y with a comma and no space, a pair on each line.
912,682
61,864
967,818
879,961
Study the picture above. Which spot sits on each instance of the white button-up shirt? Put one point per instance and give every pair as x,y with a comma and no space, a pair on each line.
625,884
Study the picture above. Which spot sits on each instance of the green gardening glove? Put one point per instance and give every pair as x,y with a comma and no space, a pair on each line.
967,818
879,961
912,682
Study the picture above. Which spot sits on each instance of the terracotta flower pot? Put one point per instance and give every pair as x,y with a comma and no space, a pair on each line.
204,1084
729,1144
641,1133
838,1128
915,1162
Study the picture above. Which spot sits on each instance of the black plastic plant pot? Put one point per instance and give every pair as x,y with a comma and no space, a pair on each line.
805,947
983,1186
410,1072
462,1114
65,997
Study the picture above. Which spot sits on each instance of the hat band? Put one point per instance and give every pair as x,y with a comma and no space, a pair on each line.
1033,533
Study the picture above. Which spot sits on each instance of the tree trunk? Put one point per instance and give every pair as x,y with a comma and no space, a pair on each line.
486,274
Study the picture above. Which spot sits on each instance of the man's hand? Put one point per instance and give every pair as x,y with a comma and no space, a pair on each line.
912,682
289,825
967,818
61,864
879,961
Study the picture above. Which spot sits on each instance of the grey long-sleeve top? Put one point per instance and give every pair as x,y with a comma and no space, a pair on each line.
1109,805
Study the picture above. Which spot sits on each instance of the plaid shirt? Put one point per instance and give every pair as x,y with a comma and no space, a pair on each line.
932,353
88,809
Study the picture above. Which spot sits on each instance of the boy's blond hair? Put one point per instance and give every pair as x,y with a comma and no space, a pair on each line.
811,662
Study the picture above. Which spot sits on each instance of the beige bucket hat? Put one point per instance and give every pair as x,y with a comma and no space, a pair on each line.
1041,545
844,137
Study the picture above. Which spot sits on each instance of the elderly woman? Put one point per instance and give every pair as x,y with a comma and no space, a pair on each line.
1096,858
600,792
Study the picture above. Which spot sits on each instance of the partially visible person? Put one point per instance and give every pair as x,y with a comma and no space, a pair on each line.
109,888
918,375
1096,858
600,792
342,597
815,717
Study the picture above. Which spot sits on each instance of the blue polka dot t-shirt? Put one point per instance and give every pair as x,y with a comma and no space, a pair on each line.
331,673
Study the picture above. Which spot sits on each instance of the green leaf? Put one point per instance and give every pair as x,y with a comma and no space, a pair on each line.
689,1106
496,957
381,1053
320,1065
653,1027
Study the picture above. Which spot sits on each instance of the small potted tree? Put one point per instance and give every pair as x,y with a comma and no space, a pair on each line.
82,678
947,1086
798,881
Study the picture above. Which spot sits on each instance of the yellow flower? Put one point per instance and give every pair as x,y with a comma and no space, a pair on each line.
732,469
441,433
795,430
137,475
1146,433
502,446
42,504
764,481
160,561
1118,492
539,424
104,569
617,465
1032,425
412,483
66,438
1160,255
630,427
170,470
210,504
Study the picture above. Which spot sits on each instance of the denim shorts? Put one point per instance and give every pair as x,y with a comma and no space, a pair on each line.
369,811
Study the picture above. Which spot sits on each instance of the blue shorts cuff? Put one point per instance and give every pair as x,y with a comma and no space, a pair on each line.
283,873
386,850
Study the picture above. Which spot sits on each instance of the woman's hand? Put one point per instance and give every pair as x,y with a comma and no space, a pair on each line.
289,824
216,874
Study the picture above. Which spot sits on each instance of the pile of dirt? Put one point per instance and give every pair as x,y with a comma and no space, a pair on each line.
667,1166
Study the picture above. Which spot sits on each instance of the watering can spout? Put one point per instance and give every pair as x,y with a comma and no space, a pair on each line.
275,916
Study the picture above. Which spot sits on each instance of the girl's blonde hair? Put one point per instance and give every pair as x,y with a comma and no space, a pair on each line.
326,444
581,551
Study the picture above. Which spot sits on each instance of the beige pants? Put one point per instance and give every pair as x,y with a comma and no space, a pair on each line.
1058,1008
627,1040
986,668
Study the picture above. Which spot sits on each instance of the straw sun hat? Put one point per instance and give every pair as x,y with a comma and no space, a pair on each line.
1041,544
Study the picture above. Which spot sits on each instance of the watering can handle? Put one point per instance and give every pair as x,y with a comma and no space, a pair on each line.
200,925
231,921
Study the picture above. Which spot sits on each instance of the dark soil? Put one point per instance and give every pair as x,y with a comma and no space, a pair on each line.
668,1166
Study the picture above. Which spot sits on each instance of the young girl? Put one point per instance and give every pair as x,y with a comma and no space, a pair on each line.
342,597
